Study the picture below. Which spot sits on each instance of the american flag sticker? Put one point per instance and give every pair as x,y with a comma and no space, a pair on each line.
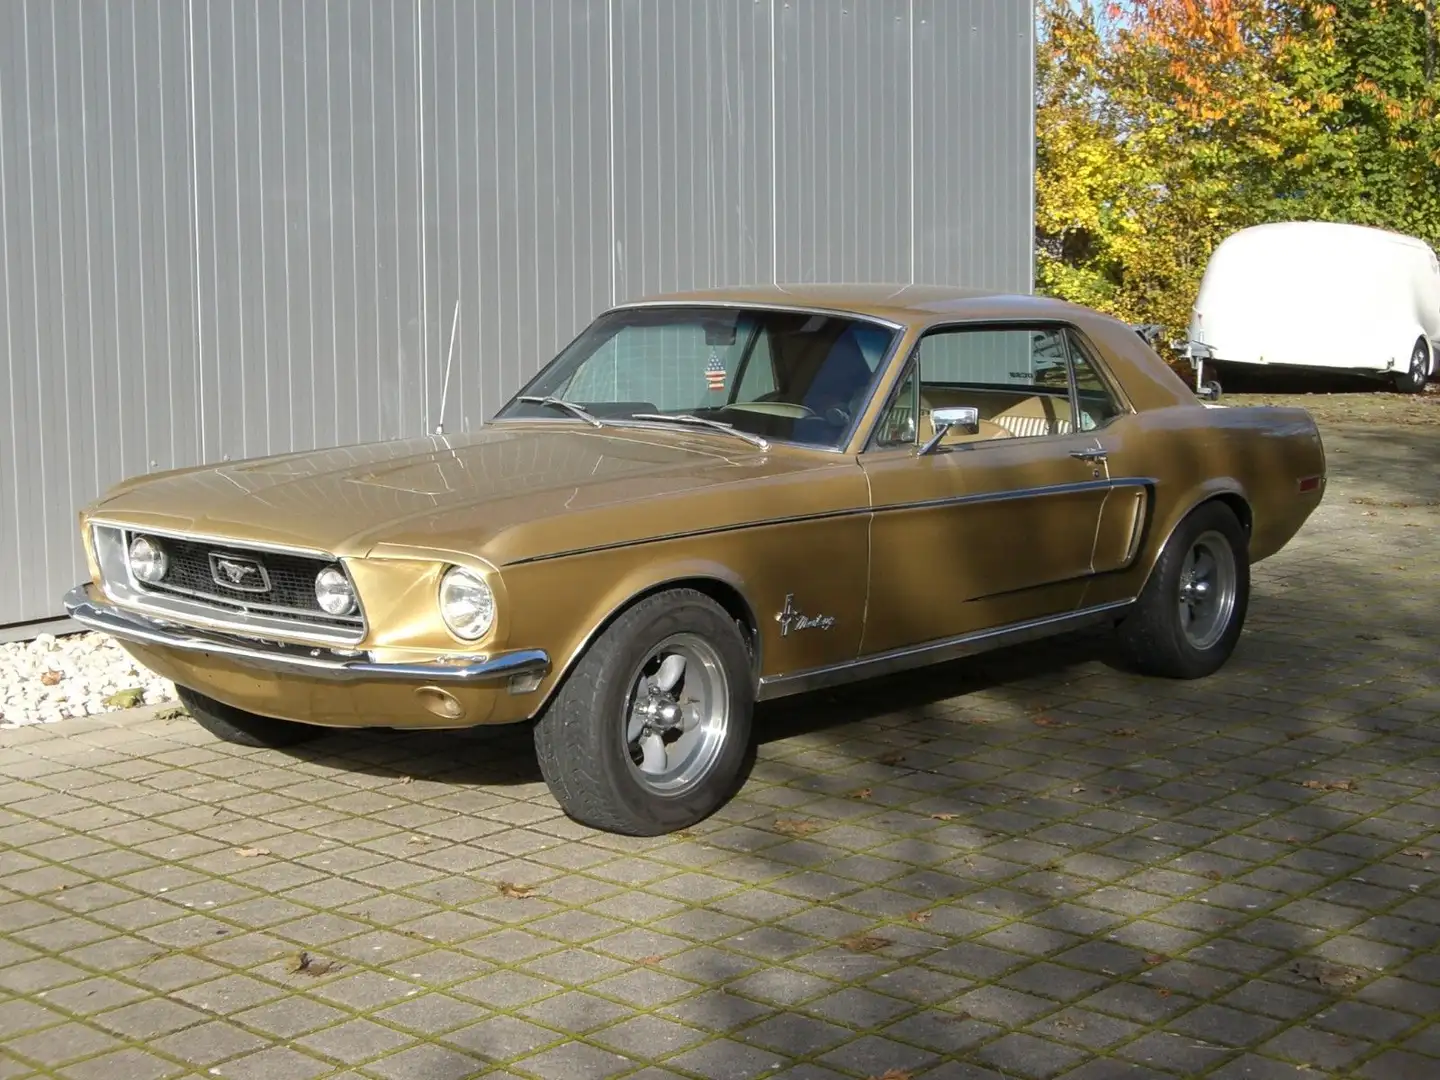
715,373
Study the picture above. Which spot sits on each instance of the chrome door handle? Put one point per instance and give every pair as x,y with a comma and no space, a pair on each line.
1088,455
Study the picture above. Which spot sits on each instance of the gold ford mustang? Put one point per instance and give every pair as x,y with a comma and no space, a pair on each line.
709,499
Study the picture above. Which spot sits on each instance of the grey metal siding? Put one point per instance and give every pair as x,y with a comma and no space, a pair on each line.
231,229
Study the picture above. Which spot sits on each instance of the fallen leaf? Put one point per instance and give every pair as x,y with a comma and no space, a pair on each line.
1112,791
1416,853
864,942
50,678
795,826
863,793
1214,875
891,759
251,852
647,960
126,699
1330,976
1155,958
892,1074
420,840
1077,789
515,892
407,779
919,916
944,817
1329,785
1163,992
170,714
305,964
1045,721
1124,732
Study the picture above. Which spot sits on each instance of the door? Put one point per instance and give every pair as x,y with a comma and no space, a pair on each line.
991,526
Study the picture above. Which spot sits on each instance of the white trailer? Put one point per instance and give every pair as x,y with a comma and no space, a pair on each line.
1319,296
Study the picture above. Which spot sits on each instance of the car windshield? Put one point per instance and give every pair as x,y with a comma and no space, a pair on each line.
799,377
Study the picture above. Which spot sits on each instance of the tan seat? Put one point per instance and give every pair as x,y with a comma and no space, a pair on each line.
1035,416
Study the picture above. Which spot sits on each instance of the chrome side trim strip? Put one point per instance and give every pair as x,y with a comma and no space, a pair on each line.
295,659
854,511
932,652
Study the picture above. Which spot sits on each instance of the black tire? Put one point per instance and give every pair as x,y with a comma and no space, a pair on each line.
581,739
243,728
1153,638
1414,379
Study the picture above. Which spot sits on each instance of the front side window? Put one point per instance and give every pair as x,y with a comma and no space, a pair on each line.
1017,378
795,376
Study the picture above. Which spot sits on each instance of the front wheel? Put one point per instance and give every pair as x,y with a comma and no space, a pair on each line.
244,728
1188,618
1414,379
650,731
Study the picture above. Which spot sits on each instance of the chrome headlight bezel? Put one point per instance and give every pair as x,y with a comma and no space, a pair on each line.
461,588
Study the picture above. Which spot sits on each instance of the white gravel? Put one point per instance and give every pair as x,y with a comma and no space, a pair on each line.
54,678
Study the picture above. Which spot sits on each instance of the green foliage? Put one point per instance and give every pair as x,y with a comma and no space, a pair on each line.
1177,122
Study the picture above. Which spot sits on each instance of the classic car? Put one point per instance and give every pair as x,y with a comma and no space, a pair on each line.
706,500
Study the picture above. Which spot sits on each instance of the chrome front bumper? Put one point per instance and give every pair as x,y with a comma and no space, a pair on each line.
306,660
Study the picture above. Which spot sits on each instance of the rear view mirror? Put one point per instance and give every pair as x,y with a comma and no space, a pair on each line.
966,418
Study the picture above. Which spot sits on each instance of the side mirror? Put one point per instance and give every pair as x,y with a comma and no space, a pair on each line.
964,417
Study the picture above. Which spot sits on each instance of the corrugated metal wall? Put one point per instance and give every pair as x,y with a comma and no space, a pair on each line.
242,227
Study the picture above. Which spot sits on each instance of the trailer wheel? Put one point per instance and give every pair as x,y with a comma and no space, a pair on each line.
1415,378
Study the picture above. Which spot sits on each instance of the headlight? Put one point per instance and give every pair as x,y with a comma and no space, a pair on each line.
466,603
334,593
147,560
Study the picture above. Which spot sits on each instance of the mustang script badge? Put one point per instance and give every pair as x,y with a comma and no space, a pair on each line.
238,572
790,619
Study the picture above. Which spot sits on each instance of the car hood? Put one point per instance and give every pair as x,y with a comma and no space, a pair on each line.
459,492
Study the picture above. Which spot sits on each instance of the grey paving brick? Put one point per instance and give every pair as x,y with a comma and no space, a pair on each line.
1398,1065
500,1038
60,1044
1025,1055
1310,1046
428,1063
725,1059
132,1064
1355,1019
206,1044
576,1011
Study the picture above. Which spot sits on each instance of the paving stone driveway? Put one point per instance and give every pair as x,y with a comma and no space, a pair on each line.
1027,865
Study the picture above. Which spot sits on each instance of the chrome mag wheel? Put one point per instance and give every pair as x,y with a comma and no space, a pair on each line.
1207,589
677,715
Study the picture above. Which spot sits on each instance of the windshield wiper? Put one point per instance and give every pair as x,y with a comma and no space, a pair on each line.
567,406
686,418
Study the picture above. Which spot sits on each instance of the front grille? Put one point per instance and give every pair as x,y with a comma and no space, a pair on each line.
291,584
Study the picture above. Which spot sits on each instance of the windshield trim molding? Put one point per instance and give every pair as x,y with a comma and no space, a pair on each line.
758,305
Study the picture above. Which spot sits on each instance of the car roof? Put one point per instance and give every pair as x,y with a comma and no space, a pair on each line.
904,304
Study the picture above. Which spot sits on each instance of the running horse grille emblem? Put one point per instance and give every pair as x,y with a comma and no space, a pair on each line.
238,572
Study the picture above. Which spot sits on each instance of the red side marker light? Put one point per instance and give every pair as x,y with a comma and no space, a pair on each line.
1310,483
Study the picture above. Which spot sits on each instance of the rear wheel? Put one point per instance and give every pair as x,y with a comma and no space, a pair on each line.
649,732
244,728
1188,618
1414,379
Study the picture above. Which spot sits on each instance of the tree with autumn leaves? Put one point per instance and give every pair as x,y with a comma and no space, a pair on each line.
1163,126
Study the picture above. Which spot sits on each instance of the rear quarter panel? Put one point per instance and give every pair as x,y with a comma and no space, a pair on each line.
1253,456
